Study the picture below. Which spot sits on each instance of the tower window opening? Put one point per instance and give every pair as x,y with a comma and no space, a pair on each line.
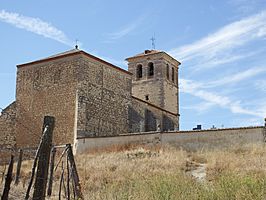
173,74
177,78
147,97
139,71
167,71
151,69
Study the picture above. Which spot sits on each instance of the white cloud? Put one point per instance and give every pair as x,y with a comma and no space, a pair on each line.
193,88
200,107
126,29
230,79
221,60
123,32
227,45
35,25
240,76
218,47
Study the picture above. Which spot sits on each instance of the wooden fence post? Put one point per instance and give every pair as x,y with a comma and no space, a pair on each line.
61,181
8,179
68,180
43,160
50,183
74,172
33,169
19,166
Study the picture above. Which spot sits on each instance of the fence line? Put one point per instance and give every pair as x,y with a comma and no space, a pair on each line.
43,155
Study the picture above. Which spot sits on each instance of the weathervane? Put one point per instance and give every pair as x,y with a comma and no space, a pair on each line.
153,42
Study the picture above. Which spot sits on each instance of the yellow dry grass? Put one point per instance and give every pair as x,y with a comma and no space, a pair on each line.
160,173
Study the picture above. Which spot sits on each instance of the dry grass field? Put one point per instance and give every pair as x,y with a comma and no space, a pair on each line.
167,173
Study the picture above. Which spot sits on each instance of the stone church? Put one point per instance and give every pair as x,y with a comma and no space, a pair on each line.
90,97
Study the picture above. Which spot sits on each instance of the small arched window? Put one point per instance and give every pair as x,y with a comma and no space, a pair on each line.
167,71
151,69
139,71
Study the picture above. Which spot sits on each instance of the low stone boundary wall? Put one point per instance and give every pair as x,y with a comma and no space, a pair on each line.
216,138
88,144
188,140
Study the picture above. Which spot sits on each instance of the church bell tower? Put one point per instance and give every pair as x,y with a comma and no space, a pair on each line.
155,79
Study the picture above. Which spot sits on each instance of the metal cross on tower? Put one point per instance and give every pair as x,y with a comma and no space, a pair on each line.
153,42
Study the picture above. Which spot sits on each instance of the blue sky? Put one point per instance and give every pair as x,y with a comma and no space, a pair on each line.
221,44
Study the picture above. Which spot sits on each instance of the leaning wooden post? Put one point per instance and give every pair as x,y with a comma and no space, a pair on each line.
43,160
33,168
8,179
74,172
68,180
19,166
50,183
61,181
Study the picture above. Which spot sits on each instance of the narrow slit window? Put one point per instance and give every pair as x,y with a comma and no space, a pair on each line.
167,71
173,74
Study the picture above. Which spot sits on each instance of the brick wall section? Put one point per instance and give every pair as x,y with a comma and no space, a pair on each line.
7,127
46,88
104,96
145,117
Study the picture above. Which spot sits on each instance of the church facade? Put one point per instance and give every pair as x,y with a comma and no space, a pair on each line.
90,97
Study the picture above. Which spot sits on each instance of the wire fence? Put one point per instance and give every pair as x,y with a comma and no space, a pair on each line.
43,180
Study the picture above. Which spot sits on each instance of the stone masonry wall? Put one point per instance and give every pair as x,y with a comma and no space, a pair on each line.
151,86
46,88
188,140
170,86
7,127
145,117
104,96
215,138
7,132
161,89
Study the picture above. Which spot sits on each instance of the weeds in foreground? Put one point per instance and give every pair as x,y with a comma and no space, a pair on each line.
161,173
